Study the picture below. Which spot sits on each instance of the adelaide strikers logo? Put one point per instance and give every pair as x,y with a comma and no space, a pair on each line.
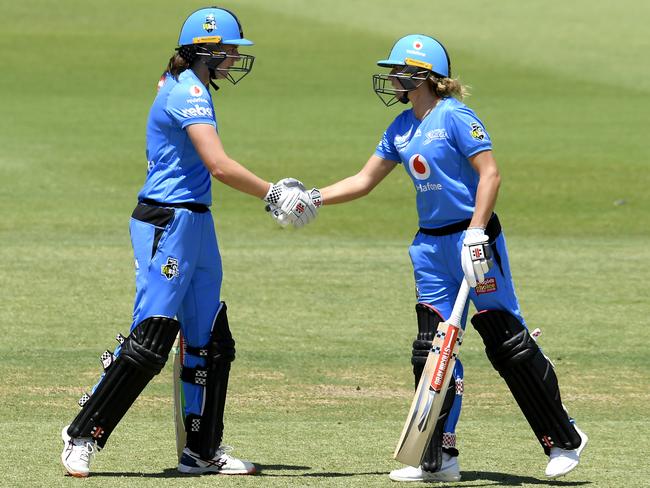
477,132
419,167
170,269
196,91
210,23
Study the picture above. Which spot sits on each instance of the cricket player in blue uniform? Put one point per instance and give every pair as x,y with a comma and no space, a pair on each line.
447,152
177,260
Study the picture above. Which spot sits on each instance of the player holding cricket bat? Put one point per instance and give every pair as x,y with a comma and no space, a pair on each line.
445,149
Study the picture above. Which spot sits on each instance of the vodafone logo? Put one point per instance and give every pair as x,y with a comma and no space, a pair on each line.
196,91
419,167
417,44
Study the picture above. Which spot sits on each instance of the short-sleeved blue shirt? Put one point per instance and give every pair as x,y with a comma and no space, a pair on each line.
435,154
175,171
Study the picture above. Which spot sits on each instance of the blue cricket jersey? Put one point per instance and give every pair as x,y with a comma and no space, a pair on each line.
175,172
435,153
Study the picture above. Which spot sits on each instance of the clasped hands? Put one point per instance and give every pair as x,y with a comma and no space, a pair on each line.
289,202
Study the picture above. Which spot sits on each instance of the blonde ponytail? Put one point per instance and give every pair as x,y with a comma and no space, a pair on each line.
448,87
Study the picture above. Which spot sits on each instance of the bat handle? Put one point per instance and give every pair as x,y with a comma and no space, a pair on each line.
459,304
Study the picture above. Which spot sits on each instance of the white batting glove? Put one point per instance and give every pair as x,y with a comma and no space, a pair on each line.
276,195
290,203
476,256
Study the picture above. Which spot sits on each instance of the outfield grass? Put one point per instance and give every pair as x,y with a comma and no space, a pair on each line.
324,317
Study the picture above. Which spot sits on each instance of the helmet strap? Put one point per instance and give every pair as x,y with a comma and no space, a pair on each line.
213,75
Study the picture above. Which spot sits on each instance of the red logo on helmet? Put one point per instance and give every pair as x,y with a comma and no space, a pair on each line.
419,167
417,44
196,91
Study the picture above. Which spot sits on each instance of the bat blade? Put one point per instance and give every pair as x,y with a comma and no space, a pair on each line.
179,403
429,396
434,382
424,416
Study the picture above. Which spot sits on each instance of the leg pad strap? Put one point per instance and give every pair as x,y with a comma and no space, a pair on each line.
205,431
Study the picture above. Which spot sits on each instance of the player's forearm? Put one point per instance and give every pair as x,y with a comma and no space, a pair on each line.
359,185
486,198
346,190
236,176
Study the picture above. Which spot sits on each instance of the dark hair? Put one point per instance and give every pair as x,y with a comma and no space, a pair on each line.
177,64
185,56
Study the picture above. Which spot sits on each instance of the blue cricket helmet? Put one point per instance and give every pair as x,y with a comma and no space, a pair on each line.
212,25
419,51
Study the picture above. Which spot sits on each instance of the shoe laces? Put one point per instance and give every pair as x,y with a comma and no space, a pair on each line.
87,448
224,451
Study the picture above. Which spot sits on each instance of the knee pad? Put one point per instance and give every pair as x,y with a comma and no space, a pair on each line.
529,376
143,355
428,320
205,431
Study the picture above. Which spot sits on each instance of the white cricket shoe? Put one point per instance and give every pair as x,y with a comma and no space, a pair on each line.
562,461
449,471
221,463
77,454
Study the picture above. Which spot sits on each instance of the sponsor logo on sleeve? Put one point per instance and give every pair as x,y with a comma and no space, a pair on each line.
196,111
477,131
196,100
488,286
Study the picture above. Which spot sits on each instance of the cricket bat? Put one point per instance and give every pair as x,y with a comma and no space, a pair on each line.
179,414
427,402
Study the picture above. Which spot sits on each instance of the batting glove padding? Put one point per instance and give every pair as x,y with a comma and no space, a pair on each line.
290,203
476,256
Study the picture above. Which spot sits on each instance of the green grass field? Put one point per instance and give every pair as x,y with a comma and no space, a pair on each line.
324,317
